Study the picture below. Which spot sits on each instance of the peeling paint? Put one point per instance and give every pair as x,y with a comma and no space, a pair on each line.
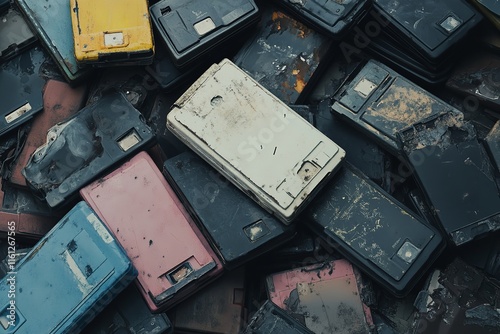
381,102
461,300
327,296
100,229
83,284
77,150
283,55
375,229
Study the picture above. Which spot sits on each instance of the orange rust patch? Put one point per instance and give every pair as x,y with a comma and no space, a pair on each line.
282,21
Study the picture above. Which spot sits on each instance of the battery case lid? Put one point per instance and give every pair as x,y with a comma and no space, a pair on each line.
374,231
433,26
90,265
153,227
253,138
21,88
111,27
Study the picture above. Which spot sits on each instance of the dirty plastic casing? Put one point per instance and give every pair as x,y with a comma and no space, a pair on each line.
20,211
284,55
414,67
170,253
428,28
379,102
197,313
129,314
332,17
21,88
328,296
60,101
77,269
81,148
374,231
250,137
457,300
192,28
15,35
272,319
455,174
112,32
478,76
51,22
211,198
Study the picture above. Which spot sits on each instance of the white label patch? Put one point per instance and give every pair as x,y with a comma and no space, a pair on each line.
17,113
113,39
83,284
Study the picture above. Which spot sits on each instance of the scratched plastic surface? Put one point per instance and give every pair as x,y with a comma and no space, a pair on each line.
332,17
374,231
15,35
51,21
251,137
458,300
284,55
60,101
21,88
380,102
112,32
172,257
211,198
129,314
430,27
271,319
191,28
455,173
79,149
327,296
91,270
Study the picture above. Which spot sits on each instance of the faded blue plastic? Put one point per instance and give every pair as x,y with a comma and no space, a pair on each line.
51,21
67,278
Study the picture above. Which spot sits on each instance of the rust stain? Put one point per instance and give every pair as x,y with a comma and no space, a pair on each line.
302,68
282,21
403,105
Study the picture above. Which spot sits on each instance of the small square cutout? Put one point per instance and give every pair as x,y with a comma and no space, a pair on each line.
408,252
204,27
256,231
129,141
365,87
450,24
